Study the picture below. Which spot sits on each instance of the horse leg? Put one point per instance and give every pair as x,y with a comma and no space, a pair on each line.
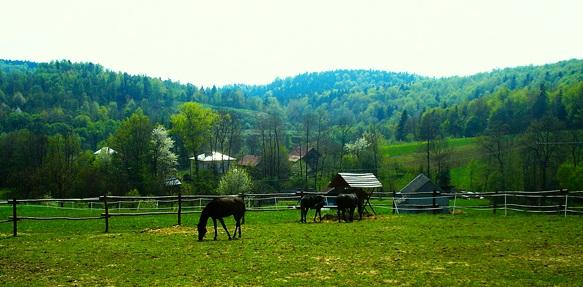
238,225
351,215
225,227
338,214
215,224
316,214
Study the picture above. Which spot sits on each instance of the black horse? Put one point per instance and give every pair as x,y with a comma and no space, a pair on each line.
311,201
347,203
219,208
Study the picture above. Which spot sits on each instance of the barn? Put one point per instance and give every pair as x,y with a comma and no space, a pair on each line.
421,195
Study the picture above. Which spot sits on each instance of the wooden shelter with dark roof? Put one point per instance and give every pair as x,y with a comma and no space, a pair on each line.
361,184
421,195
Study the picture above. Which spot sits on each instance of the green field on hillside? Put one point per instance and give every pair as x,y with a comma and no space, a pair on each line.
410,157
469,249
401,149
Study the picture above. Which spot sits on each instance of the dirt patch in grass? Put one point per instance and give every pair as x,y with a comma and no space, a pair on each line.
176,229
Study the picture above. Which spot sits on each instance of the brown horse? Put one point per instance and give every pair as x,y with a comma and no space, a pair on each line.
311,201
347,202
219,208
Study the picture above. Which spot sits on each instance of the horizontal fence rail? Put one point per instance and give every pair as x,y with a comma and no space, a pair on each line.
561,202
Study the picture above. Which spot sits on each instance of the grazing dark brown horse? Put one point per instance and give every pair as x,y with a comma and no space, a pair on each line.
219,208
347,203
311,201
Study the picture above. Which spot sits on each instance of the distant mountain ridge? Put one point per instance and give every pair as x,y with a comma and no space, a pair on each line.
335,80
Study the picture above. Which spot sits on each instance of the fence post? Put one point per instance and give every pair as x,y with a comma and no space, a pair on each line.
566,201
495,198
454,202
242,195
106,207
505,204
394,203
179,208
434,205
14,218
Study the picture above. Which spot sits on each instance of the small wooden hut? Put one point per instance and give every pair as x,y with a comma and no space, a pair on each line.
362,184
421,195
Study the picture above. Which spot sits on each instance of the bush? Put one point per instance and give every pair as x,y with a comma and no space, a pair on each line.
235,181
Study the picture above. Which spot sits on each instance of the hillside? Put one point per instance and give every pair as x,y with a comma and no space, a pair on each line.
53,116
59,96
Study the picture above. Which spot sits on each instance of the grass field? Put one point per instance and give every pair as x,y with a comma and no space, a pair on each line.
410,157
470,249
400,149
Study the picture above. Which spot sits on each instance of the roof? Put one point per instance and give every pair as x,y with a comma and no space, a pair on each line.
172,181
250,160
104,150
355,180
214,156
417,183
299,152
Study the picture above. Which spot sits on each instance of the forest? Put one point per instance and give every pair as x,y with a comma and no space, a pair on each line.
527,122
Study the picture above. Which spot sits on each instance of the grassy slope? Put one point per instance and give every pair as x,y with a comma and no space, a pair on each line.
411,157
467,249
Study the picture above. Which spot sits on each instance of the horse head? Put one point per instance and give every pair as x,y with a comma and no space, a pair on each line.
201,232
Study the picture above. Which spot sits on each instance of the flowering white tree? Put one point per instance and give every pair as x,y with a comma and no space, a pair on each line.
356,148
164,159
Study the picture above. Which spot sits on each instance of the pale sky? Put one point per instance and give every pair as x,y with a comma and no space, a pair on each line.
218,42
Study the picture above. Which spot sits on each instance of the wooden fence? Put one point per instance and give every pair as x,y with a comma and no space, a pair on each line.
120,206
561,202
556,201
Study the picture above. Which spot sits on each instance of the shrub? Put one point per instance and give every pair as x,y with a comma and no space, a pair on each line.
235,181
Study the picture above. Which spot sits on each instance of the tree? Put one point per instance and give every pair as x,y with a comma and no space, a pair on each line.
429,131
541,140
539,107
132,143
496,146
163,158
235,181
401,133
225,134
59,164
358,147
193,124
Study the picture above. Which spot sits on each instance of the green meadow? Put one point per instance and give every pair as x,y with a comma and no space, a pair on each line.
469,249
464,159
